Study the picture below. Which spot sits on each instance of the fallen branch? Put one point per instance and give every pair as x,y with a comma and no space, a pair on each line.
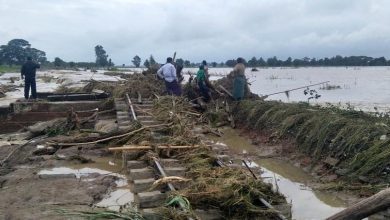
109,138
366,207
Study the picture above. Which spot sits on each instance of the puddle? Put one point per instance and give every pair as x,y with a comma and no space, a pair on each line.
104,166
291,181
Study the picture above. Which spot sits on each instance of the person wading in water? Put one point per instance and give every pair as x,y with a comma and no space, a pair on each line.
28,72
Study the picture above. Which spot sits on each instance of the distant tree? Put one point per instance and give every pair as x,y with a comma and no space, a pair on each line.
214,64
187,63
58,62
147,63
72,64
261,62
288,62
152,61
101,56
17,51
110,63
136,61
180,62
230,63
252,62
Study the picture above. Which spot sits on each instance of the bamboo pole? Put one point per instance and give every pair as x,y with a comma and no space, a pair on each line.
131,107
108,138
226,91
302,87
145,147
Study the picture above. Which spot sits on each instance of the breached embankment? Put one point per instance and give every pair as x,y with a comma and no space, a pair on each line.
354,145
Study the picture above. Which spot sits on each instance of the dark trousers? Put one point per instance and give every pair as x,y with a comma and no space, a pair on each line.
30,82
173,88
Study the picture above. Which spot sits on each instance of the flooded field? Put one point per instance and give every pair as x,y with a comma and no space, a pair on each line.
364,88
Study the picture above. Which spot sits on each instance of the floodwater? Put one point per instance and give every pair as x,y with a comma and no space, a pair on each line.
49,81
105,166
288,179
365,88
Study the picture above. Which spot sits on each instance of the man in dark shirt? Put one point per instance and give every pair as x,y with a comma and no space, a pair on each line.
28,73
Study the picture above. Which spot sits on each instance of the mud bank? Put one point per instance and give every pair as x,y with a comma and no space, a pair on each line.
352,146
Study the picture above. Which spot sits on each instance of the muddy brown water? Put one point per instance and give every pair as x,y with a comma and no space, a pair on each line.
290,180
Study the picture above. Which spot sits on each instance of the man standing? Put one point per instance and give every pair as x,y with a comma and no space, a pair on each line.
168,73
239,82
28,73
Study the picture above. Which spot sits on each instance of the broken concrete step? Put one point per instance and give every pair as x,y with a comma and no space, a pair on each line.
122,117
151,214
121,107
125,123
147,123
142,185
145,105
175,171
150,199
145,117
170,162
135,164
124,127
143,173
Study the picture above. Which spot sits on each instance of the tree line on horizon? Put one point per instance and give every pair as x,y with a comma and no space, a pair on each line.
16,51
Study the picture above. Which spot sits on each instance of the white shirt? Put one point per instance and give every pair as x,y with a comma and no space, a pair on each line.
168,72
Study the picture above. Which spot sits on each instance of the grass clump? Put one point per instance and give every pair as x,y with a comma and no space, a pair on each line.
352,137
235,193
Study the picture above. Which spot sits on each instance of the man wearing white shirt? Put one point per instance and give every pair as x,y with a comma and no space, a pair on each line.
168,73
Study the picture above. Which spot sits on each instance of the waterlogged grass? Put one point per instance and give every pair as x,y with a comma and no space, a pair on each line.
9,69
359,141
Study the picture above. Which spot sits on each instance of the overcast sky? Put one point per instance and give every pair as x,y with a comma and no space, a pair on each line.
199,29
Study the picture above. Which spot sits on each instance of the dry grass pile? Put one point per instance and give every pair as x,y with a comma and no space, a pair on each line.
146,85
235,193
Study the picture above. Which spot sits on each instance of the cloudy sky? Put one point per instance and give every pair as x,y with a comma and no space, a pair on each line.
199,29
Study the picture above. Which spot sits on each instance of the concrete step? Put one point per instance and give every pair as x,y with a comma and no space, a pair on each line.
123,118
147,123
124,127
122,113
175,171
150,199
136,164
144,117
169,162
143,173
124,123
142,106
142,185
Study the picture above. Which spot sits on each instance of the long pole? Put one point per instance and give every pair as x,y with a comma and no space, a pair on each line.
302,87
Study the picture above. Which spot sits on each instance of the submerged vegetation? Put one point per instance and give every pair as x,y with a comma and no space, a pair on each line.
356,141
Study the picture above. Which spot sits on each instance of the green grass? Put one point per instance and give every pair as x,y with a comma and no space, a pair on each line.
9,69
